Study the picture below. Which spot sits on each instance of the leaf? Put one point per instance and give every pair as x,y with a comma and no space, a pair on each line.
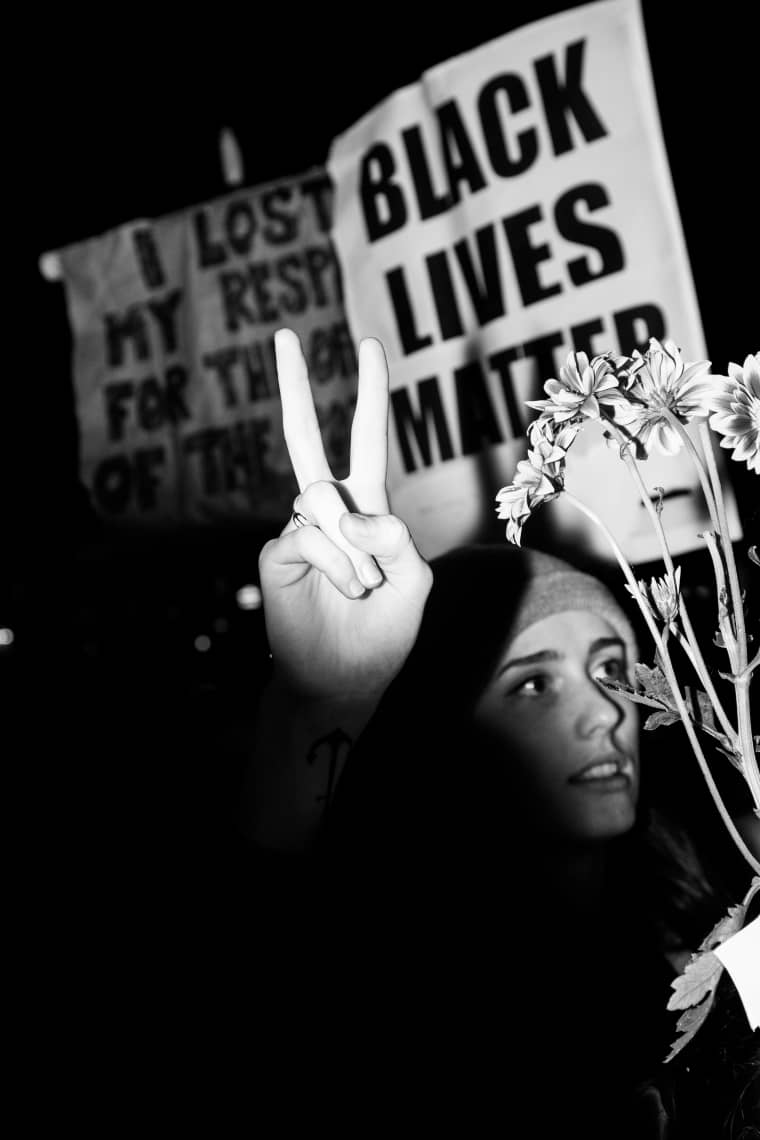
652,682
694,990
627,691
661,718
730,924
753,556
698,979
688,1024
705,712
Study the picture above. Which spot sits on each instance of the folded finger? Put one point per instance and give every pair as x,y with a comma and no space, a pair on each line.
322,504
388,539
286,559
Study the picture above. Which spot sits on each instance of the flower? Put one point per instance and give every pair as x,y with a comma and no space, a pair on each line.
736,413
662,385
538,478
515,508
665,593
584,389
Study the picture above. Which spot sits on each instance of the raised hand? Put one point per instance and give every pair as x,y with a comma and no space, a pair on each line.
344,586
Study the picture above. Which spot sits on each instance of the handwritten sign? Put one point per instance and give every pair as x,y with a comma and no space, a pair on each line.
174,369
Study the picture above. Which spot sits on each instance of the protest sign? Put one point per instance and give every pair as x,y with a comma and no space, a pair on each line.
513,206
172,324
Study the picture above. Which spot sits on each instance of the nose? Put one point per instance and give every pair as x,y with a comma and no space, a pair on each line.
598,711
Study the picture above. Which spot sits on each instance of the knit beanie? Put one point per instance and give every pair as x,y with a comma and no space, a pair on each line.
483,596
554,586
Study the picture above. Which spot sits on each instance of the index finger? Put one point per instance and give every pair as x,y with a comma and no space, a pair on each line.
299,418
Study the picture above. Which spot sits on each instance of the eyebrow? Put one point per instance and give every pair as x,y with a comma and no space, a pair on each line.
531,659
556,655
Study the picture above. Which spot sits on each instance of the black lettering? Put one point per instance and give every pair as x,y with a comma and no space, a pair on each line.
222,363
116,396
146,482
429,205
209,252
259,273
318,261
319,190
282,224
259,446
344,350
542,348
331,353
477,419
411,341
526,256
635,326
431,406
175,380
148,258
514,91
235,449
382,199
240,226
151,411
603,240
444,297
336,436
236,312
484,282
261,383
204,444
165,312
459,156
564,96
290,269
582,336
124,327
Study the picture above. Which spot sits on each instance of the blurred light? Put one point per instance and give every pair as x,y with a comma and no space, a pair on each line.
221,625
6,637
202,643
248,597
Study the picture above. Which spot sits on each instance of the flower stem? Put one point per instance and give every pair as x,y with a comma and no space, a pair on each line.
694,652
671,679
743,676
728,550
704,479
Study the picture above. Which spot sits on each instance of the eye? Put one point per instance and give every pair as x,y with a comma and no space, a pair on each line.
611,669
533,686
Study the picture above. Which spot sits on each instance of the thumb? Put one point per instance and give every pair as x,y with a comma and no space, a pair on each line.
388,540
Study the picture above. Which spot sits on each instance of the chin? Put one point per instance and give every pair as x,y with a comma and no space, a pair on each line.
615,822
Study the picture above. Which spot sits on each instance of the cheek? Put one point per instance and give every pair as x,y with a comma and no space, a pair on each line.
628,729
526,737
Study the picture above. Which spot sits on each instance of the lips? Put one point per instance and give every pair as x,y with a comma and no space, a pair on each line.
617,767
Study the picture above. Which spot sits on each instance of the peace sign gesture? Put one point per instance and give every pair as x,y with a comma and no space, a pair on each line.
344,586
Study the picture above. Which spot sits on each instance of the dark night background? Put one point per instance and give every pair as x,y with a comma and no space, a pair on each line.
123,743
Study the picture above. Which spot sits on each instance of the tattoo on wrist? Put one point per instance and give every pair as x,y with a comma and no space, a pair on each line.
331,751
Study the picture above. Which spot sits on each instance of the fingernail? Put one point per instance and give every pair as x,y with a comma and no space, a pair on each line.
355,588
370,576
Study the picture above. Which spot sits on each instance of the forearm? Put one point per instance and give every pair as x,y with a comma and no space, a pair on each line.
300,750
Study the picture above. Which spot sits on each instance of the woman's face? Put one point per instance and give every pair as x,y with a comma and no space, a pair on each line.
571,745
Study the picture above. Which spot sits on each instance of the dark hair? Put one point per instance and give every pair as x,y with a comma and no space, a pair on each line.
421,779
